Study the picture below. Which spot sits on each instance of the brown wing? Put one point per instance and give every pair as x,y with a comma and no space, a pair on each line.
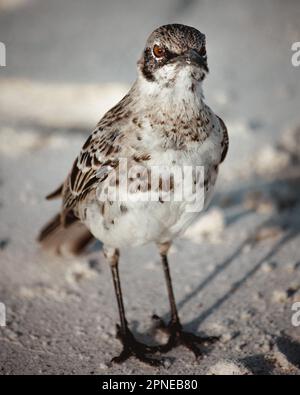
225,140
98,156
96,159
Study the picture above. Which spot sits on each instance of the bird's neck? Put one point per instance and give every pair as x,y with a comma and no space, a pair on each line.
173,114
183,99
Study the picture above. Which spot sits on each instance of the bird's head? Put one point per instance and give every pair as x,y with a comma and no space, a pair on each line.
174,56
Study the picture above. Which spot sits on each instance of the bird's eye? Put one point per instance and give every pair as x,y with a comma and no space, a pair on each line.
158,51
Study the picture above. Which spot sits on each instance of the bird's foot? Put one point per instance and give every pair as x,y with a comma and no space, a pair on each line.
134,348
179,337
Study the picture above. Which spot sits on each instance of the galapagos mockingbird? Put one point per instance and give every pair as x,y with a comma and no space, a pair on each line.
163,121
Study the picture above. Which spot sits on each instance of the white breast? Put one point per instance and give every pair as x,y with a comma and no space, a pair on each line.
148,221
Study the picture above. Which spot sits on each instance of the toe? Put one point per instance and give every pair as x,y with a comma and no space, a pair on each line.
132,347
138,354
149,361
191,337
124,355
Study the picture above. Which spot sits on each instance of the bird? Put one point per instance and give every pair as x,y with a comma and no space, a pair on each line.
162,122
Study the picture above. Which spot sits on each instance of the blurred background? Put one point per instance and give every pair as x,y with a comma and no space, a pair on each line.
69,61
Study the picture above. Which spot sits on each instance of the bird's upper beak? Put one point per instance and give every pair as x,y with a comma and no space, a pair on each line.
192,57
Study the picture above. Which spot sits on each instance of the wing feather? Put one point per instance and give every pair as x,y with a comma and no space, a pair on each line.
225,140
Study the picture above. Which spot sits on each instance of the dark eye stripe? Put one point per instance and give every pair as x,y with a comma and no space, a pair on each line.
170,55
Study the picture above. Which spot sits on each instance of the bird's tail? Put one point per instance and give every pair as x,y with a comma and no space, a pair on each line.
70,239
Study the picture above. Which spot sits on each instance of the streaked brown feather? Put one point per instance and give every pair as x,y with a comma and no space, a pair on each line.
72,239
225,141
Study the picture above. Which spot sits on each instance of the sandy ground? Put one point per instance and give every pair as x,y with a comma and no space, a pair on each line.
236,271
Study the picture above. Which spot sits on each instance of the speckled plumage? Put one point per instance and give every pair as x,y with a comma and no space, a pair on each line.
163,120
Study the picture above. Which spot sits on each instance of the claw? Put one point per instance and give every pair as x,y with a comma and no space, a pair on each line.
180,337
134,348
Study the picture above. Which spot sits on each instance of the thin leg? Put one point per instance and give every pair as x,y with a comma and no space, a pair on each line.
131,347
174,328
173,307
118,292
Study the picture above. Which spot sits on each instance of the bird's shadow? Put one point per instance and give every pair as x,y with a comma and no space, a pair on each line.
290,348
194,324
258,364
